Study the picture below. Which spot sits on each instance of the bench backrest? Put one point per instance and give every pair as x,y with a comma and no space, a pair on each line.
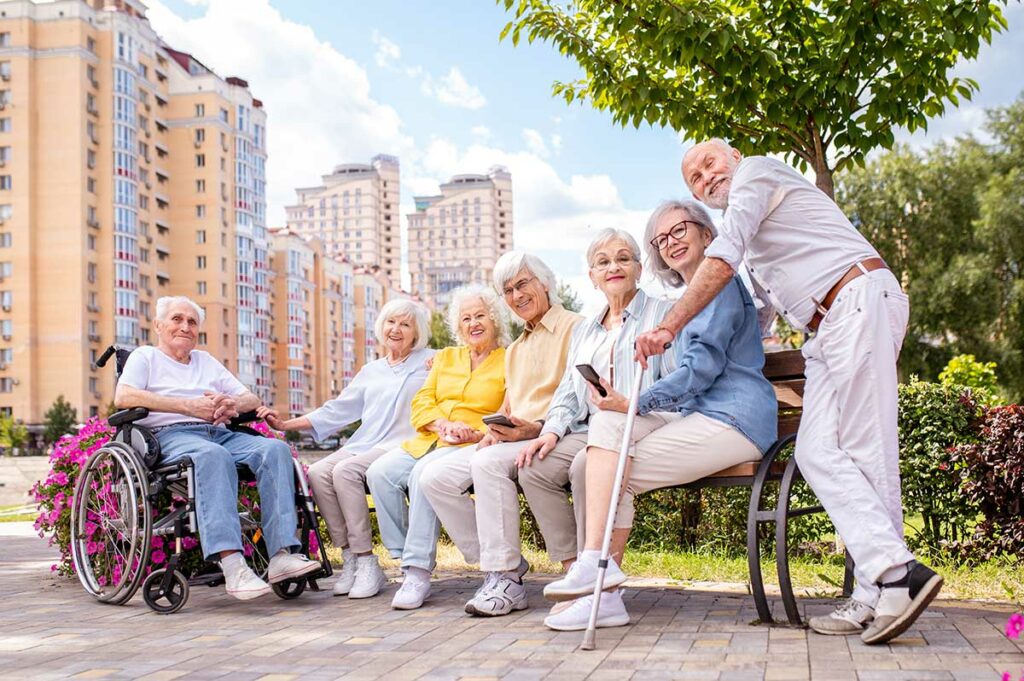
785,370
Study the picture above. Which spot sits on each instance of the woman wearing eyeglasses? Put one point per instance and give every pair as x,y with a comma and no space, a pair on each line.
605,342
714,411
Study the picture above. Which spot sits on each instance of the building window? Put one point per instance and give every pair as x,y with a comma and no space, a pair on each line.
201,289
5,181
90,185
200,211
200,186
5,124
90,43
200,135
200,236
6,384
201,262
5,39
91,241
91,270
200,160
200,110
5,239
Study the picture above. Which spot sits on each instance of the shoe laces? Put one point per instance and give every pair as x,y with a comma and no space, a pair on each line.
850,607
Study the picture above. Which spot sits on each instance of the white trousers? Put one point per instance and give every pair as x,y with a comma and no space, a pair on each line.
848,445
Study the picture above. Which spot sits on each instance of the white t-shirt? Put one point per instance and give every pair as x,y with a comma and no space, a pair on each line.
151,369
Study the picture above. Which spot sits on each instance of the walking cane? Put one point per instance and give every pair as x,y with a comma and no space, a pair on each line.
602,565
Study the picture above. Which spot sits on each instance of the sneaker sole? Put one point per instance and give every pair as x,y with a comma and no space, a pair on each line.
910,615
602,623
567,595
408,607
825,632
472,610
249,595
304,570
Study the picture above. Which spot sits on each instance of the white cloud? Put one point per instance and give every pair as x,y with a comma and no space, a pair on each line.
453,90
556,143
535,142
319,106
388,53
480,133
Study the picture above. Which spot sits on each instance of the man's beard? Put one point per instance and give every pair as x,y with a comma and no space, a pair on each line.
720,200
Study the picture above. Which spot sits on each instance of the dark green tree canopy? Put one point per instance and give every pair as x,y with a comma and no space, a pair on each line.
60,419
822,81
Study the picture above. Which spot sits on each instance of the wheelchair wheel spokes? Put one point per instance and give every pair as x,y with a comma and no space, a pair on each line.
110,525
253,547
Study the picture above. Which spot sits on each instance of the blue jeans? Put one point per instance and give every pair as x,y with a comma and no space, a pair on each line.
407,532
215,451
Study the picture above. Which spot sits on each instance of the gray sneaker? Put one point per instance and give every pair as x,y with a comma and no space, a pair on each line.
850,617
502,598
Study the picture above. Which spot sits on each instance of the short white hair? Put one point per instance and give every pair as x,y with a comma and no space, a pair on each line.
508,267
693,211
403,307
165,303
612,234
498,311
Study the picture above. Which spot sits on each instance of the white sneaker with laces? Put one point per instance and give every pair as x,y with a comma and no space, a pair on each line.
850,617
347,574
369,580
414,590
581,578
611,613
286,565
503,597
241,582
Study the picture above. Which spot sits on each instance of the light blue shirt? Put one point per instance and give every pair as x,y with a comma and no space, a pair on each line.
570,410
381,396
721,360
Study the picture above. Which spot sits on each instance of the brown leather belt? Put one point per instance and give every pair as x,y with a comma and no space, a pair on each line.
870,264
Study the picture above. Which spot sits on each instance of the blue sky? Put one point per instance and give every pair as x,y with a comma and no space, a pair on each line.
430,82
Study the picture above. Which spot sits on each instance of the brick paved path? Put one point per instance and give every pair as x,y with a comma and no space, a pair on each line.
49,628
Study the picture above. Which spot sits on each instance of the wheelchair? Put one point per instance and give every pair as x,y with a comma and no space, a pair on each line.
114,517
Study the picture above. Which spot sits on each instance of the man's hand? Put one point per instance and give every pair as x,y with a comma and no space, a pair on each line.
653,342
539,448
523,430
270,416
613,401
227,408
203,408
487,441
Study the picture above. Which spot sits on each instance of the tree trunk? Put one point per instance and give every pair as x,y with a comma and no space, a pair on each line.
823,177
689,513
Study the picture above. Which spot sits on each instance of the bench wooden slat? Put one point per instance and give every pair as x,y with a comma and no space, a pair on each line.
789,393
783,364
743,470
788,424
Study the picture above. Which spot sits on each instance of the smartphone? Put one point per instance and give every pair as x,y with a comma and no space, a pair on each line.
592,378
499,420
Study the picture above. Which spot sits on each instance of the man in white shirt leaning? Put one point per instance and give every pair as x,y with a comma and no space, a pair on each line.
822,276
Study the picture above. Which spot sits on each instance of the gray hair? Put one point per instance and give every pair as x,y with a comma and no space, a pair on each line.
612,234
497,308
165,303
403,307
508,267
693,211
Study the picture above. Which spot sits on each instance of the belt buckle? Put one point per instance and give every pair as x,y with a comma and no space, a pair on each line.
819,307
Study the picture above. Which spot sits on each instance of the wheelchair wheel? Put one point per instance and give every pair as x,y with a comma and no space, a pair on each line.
289,588
164,601
111,524
253,547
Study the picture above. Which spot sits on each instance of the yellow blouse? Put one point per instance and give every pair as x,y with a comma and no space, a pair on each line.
455,392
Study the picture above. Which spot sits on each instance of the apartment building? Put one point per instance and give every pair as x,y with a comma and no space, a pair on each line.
355,214
456,237
370,295
128,171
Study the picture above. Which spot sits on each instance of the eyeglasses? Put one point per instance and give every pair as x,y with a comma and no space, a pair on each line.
603,263
517,287
678,232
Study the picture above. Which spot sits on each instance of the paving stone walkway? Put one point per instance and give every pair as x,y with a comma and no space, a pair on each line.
49,628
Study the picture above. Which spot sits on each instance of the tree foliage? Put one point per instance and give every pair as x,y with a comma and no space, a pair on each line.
949,221
13,434
440,334
60,419
822,81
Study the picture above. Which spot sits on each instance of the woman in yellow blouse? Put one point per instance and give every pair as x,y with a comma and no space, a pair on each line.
466,383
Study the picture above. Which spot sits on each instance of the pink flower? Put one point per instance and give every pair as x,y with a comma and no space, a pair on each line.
1014,625
189,543
157,542
158,557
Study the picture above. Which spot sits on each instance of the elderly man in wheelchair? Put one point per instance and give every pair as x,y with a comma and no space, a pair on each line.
190,397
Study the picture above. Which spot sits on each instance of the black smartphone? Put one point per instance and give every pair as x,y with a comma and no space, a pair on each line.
498,420
592,378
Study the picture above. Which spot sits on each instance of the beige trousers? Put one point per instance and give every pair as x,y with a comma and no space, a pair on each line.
668,449
338,485
544,482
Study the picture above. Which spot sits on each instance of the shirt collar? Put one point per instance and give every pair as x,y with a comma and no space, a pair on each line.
634,309
549,319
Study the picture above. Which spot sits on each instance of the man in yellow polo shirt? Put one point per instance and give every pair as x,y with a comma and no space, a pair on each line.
534,365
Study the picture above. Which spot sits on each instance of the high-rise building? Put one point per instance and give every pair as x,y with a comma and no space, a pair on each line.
355,214
128,171
456,237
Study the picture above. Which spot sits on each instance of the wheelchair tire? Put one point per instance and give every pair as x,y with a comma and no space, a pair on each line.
289,588
111,524
165,602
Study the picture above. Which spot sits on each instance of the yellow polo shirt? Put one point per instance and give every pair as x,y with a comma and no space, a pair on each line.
535,362
456,392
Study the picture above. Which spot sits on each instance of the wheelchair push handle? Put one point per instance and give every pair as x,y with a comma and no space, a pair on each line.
102,361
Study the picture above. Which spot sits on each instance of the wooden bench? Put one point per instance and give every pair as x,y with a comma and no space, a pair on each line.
785,370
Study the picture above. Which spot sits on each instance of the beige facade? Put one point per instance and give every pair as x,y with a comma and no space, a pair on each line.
355,214
105,206
370,295
456,237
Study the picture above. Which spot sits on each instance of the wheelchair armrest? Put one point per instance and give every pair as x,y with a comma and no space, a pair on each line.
118,419
242,419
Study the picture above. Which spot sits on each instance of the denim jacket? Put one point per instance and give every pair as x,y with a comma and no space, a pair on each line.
720,362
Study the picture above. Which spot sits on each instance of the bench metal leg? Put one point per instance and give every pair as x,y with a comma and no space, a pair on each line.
755,517
782,515
848,576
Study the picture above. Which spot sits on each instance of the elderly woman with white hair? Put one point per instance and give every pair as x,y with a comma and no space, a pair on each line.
714,411
190,397
466,383
605,342
534,364
379,397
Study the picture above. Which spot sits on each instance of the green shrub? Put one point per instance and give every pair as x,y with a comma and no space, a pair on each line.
966,371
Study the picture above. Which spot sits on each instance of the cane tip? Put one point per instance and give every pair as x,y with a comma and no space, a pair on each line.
589,640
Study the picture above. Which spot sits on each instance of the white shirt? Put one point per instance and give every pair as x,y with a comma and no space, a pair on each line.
150,369
796,241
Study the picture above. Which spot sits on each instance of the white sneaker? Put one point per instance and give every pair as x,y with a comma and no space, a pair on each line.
849,617
611,613
286,565
581,578
347,574
242,583
414,590
502,598
369,579
901,602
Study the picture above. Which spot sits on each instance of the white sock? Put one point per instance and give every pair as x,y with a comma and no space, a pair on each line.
593,554
232,561
413,571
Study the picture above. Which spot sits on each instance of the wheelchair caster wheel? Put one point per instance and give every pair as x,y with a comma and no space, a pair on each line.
289,588
165,601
